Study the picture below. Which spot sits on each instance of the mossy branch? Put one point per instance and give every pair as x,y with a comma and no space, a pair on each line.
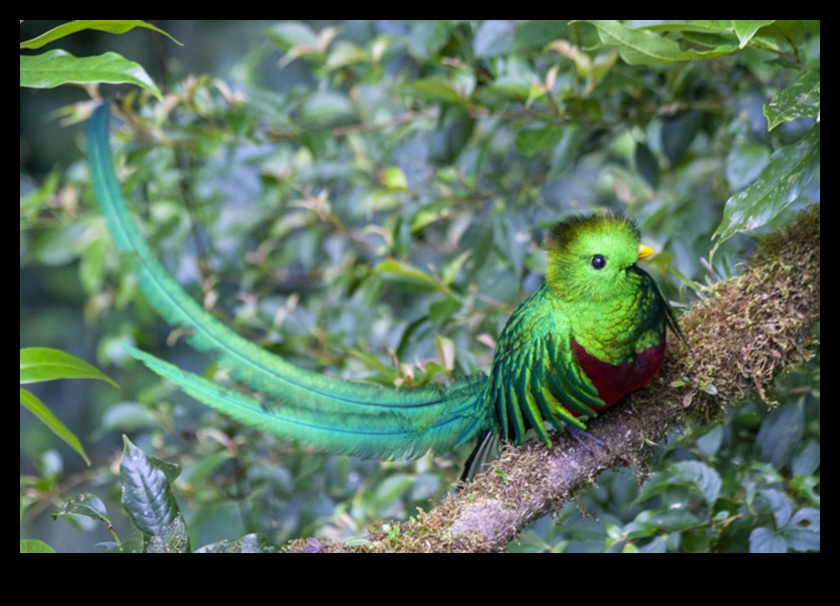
749,329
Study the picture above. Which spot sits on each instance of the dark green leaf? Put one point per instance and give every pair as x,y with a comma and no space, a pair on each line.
678,131
58,67
45,364
647,165
454,132
780,433
148,499
535,34
800,100
787,174
675,520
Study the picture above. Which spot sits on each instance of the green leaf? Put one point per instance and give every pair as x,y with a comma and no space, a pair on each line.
806,488
393,487
250,543
704,477
800,100
446,352
343,54
678,131
401,273
58,67
803,530
85,504
785,35
744,163
326,109
441,311
494,37
127,416
427,38
289,35
674,520
45,364
646,164
780,506
37,408
112,27
535,34
764,540
32,203
453,267
531,141
34,546
745,30
787,174
781,433
394,179
644,47
432,90
148,500
172,538
807,460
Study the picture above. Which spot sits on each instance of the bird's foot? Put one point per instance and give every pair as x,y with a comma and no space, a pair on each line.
578,434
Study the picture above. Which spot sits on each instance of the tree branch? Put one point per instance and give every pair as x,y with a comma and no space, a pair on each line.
749,329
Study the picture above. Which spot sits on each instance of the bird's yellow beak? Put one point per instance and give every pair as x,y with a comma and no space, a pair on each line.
645,251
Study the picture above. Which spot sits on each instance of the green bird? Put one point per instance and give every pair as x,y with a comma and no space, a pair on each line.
592,333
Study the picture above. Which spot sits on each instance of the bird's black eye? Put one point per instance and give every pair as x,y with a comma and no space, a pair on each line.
599,262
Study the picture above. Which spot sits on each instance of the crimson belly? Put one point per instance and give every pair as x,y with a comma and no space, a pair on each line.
614,381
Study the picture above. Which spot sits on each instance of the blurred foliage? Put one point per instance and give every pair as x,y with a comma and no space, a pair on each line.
368,198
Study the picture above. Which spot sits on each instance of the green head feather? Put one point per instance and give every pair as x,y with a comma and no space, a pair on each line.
588,257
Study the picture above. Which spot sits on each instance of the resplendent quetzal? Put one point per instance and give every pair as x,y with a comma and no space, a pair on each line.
593,332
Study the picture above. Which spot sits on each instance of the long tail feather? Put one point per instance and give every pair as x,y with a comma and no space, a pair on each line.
329,413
